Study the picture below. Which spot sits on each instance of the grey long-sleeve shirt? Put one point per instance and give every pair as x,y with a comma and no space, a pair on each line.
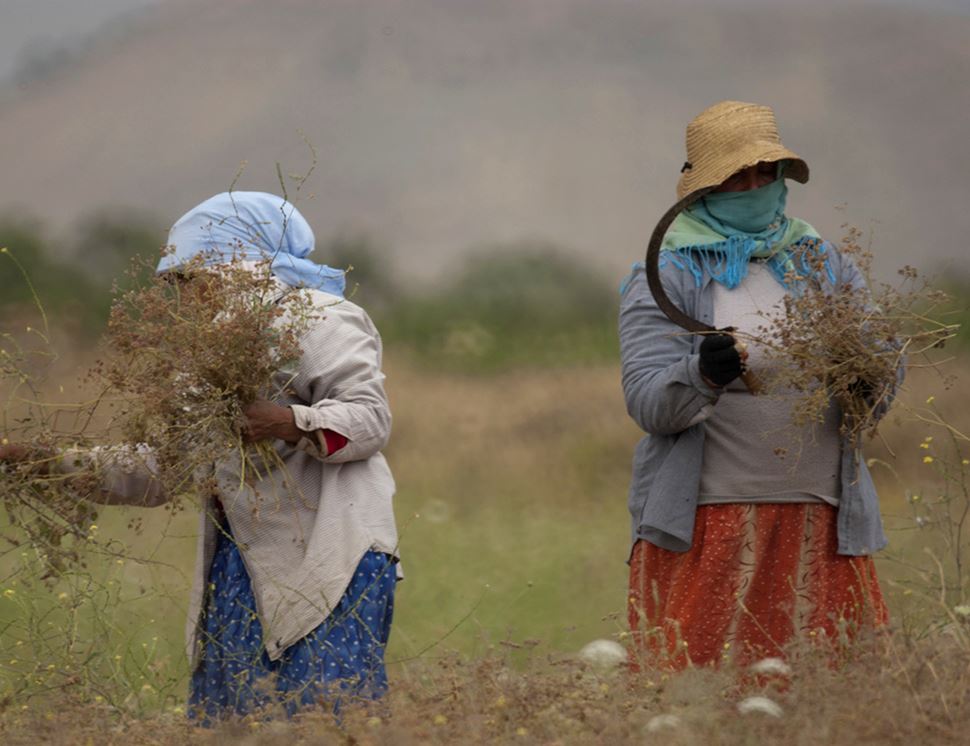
668,399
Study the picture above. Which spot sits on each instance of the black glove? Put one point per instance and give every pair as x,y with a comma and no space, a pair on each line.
720,362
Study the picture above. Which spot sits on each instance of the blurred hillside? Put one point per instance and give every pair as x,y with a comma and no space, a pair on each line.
443,126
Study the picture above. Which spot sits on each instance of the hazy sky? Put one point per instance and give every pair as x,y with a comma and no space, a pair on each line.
31,30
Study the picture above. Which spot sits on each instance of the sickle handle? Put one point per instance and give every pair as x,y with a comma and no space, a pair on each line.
748,377
752,382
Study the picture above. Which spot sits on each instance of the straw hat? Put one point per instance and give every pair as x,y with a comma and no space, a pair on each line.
731,136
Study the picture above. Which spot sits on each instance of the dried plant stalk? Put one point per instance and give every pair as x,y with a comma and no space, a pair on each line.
849,342
184,355
188,353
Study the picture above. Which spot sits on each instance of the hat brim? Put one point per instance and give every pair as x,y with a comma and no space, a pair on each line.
714,171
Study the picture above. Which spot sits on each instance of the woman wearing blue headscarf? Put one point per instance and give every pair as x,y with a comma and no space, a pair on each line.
735,551
291,606
287,617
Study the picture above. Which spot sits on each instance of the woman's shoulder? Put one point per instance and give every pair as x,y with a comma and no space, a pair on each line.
331,310
679,277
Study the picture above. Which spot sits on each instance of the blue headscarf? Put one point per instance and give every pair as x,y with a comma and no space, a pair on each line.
251,226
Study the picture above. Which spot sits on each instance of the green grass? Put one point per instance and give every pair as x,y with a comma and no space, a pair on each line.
512,512
514,530
511,505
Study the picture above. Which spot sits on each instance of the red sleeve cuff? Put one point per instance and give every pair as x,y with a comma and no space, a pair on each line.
334,440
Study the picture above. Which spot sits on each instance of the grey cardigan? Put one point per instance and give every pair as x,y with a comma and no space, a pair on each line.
668,399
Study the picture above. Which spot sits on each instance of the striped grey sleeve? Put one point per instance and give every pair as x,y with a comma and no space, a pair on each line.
340,380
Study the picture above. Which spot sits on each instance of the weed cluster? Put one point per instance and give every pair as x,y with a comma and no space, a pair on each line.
848,342
184,355
913,691
40,516
188,352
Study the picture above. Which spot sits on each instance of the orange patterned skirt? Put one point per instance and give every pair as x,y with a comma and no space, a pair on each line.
757,577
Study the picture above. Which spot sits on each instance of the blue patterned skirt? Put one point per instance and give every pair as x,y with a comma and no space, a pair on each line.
342,658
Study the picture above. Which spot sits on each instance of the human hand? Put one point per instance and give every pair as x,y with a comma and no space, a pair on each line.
14,453
35,458
720,360
266,420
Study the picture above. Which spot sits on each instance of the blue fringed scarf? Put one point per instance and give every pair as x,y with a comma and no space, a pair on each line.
703,240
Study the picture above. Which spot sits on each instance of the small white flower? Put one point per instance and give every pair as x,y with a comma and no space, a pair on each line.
761,705
962,610
662,722
603,653
772,666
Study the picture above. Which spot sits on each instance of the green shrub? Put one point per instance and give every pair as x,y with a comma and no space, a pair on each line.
72,285
959,310
514,305
370,277
105,243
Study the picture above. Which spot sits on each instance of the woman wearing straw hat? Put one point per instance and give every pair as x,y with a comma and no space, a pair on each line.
736,552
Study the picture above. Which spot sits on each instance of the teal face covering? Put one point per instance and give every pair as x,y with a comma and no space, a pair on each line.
719,235
752,212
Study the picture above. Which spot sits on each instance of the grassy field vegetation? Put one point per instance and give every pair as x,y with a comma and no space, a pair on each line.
511,449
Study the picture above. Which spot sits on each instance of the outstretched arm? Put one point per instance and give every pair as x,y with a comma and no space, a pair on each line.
112,475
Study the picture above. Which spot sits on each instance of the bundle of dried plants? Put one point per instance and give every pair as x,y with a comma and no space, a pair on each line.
849,342
184,354
187,353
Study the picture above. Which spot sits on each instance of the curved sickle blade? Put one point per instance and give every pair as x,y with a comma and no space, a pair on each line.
660,295
653,269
